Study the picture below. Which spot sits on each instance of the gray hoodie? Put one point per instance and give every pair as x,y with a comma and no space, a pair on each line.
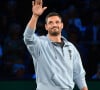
56,68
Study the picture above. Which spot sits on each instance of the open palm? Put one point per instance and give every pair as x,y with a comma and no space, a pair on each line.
37,8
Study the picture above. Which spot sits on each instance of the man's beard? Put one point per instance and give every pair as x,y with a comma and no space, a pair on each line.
54,32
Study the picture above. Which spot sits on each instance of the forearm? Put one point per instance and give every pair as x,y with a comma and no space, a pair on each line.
33,21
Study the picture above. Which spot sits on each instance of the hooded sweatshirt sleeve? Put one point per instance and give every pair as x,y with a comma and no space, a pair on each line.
79,72
32,42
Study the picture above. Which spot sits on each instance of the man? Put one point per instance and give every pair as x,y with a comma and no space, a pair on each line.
57,62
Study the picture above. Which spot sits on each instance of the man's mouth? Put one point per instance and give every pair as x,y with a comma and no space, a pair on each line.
54,28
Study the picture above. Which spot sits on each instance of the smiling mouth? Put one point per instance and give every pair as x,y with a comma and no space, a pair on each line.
54,28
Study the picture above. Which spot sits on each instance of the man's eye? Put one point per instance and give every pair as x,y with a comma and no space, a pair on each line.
50,22
57,22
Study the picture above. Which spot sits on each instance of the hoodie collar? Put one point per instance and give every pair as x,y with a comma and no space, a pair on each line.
64,40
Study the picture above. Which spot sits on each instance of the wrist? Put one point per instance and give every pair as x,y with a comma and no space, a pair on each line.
35,15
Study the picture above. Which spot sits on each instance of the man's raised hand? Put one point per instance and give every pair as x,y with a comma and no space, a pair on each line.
37,7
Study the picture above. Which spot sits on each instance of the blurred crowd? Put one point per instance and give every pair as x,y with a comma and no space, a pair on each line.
81,27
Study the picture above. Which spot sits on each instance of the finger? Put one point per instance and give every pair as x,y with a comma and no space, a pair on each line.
44,8
41,2
32,3
38,2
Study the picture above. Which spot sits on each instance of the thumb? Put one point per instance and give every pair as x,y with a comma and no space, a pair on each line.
44,8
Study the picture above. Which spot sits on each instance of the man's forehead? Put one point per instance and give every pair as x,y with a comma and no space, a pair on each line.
54,18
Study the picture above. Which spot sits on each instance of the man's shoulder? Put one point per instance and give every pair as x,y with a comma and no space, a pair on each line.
43,37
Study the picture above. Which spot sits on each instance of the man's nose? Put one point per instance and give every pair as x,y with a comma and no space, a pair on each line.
54,24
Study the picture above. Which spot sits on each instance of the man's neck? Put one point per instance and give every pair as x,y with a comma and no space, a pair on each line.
55,38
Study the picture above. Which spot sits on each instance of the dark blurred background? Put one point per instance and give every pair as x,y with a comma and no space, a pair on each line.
81,27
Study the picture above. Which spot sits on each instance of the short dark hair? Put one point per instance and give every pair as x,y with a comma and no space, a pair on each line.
53,14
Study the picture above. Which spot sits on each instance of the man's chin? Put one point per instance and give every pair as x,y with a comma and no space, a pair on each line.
54,34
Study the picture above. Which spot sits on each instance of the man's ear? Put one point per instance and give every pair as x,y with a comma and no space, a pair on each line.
46,27
62,25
